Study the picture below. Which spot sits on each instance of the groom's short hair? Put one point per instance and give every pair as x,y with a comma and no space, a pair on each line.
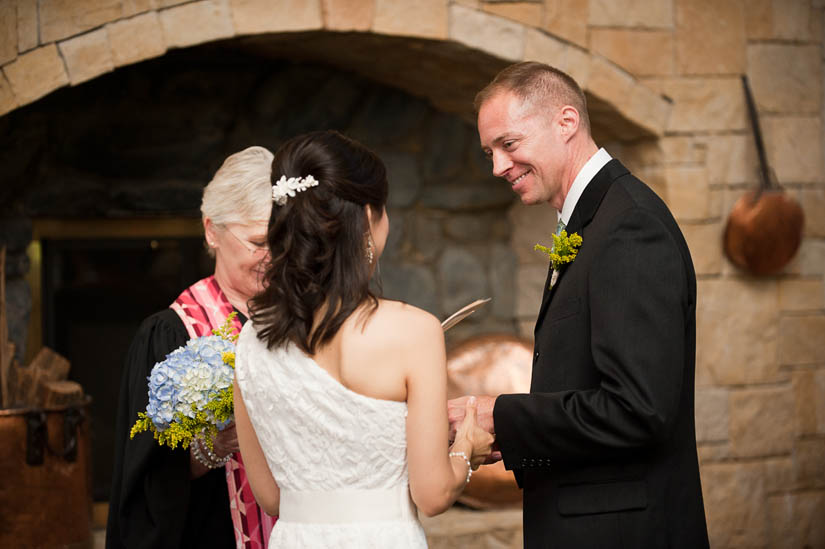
539,84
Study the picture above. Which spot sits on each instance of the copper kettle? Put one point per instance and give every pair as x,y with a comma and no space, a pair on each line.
764,228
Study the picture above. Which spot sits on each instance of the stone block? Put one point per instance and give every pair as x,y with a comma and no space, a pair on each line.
7,100
135,39
737,323
27,26
466,194
503,268
809,260
762,422
796,520
566,19
609,83
734,504
778,474
428,236
705,243
530,281
800,339
403,178
87,56
809,459
711,452
411,283
711,415
786,78
794,145
462,277
705,104
804,383
759,19
685,150
710,37
731,159
196,23
526,328
688,192
631,13
134,7
63,18
445,148
641,52
794,20
819,400
8,32
577,66
348,15
36,73
647,109
259,16
539,46
527,13
425,18
495,35
813,204
801,294
531,225
470,228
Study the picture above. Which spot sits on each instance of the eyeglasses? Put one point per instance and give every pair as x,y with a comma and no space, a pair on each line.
251,247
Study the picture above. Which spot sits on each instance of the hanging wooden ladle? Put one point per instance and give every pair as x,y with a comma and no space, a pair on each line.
764,228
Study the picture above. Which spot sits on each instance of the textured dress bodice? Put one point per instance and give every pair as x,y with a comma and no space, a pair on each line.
336,455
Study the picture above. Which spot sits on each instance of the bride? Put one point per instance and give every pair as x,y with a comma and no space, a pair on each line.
340,397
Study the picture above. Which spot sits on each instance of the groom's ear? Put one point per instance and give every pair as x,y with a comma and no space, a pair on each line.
568,121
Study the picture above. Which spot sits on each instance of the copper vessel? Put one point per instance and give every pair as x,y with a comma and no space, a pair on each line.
45,496
764,229
490,365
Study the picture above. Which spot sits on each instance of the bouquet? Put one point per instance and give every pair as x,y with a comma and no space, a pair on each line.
190,392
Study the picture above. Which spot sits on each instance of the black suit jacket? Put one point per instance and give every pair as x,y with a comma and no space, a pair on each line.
604,444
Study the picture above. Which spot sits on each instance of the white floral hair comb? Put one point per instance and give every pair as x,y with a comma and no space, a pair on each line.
286,188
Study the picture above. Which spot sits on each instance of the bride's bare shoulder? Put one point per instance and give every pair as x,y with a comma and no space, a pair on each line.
405,321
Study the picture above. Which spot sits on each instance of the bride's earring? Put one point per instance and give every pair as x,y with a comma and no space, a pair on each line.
370,249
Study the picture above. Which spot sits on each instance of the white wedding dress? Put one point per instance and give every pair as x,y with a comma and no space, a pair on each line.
339,457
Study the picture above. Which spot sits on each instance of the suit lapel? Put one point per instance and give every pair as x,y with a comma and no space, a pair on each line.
583,213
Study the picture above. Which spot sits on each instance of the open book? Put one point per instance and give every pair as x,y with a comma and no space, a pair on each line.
463,313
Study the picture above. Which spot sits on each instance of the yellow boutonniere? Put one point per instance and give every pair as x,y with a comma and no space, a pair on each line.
564,249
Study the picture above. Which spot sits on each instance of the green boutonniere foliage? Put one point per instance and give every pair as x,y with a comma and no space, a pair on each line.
564,249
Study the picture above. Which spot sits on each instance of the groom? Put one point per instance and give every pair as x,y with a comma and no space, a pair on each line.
604,445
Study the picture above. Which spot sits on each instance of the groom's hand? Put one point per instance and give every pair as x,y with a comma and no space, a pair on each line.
484,418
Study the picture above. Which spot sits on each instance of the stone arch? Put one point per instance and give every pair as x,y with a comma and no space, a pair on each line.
441,50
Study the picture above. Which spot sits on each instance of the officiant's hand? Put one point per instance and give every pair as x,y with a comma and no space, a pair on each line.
484,418
226,442
479,439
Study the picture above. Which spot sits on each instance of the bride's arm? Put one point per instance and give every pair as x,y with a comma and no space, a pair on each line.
264,487
436,479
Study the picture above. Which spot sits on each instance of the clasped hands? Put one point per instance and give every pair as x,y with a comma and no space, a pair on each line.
474,420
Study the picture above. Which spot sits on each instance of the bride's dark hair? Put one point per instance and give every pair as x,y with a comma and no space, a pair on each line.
318,240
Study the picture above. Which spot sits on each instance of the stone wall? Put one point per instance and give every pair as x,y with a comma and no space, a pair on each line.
667,70
124,146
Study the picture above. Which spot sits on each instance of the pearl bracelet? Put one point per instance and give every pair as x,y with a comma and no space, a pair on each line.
210,460
463,456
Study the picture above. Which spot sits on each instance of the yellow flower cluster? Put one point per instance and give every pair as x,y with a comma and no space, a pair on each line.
564,249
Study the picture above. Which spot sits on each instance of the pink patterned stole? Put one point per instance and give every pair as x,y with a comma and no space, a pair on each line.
202,307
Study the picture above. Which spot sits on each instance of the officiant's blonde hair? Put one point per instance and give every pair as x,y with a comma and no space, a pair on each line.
540,85
241,190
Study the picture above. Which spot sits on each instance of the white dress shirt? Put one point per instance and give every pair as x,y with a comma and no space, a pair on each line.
583,178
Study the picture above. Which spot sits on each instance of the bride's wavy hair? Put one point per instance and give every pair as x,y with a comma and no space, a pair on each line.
318,241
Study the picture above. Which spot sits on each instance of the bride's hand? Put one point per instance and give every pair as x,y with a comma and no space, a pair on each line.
480,440
226,442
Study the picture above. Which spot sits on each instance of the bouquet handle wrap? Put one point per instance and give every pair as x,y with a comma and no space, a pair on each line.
203,307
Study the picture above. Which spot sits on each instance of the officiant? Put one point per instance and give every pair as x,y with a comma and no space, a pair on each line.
181,498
